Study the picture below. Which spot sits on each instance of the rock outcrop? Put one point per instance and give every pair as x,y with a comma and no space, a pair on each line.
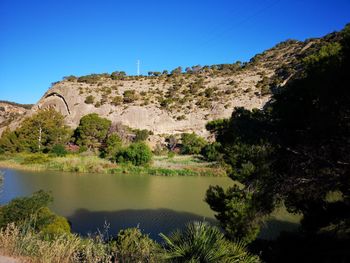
174,103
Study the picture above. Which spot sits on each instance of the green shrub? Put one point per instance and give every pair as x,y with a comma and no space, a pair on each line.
58,226
117,100
211,152
22,208
129,96
192,143
137,154
141,135
112,146
59,150
89,99
133,246
36,158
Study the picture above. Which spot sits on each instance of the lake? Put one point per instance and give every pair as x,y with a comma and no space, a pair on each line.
154,203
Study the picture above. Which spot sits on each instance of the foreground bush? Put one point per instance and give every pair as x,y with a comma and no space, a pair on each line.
33,211
200,242
133,246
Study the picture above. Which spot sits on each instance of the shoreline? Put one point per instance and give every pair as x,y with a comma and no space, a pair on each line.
94,164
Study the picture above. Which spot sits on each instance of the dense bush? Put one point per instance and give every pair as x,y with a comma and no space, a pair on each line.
92,131
141,135
192,143
59,150
129,96
211,152
133,246
137,154
89,99
112,146
34,210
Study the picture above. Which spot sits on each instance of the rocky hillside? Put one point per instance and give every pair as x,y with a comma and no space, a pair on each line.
11,112
177,102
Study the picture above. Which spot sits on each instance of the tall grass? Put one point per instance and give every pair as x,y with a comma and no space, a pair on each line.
94,164
69,248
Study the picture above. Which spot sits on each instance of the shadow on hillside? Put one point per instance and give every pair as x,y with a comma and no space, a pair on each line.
150,221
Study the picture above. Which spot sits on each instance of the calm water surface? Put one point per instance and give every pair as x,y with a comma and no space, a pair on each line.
155,203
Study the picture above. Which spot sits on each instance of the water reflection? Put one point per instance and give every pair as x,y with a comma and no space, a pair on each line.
150,221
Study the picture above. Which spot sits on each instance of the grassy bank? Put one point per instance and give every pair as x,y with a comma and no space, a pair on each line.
164,166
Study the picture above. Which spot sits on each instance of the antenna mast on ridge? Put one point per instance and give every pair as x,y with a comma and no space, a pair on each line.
138,67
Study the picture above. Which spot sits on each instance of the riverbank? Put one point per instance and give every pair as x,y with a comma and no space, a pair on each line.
184,165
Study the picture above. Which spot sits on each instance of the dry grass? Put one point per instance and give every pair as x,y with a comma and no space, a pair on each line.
64,249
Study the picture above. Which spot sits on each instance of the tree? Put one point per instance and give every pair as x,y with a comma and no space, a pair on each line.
34,210
118,75
92,131
112,146
42,131
294,151
9,141
192,143
176,71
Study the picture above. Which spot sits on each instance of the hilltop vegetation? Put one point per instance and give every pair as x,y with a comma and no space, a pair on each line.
179,100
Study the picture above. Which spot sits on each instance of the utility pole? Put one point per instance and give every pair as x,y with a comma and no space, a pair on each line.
138,67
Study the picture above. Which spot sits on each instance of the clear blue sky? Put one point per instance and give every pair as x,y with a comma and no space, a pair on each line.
42,41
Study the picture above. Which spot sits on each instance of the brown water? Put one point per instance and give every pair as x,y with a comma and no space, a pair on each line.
155,203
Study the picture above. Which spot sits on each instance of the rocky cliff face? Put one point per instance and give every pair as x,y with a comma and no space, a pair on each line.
179,102
11,113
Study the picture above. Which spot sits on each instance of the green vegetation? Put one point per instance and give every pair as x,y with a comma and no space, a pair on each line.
294,152
136,153
141,135
92,131
200,242
112,146
117,100
192,143
35,209
133,246
211,152
39,132
129,96
29,229
59,150
90,99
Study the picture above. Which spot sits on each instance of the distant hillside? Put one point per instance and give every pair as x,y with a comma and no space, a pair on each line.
11,111
181,100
